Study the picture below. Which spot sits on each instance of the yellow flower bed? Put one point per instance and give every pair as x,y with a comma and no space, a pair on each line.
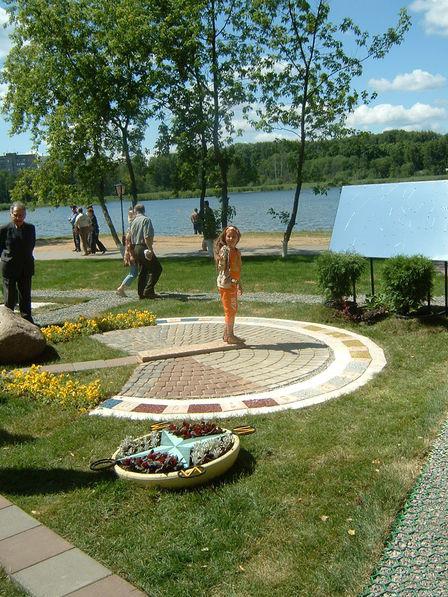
47,387
105,323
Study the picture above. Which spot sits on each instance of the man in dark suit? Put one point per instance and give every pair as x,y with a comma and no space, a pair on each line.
17,240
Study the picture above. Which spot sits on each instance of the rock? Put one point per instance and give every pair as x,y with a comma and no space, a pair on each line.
20,340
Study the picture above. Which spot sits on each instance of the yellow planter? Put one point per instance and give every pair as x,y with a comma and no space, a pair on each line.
213,469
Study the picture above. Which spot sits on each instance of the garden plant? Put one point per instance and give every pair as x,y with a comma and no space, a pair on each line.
408,282
338,273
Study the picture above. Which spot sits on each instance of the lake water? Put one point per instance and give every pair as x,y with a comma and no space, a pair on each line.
172,217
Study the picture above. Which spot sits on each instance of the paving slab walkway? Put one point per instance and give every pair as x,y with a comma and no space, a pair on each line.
45,565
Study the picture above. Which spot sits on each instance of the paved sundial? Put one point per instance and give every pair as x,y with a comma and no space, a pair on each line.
284,364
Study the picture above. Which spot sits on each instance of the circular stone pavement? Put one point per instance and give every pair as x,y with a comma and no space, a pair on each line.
284,364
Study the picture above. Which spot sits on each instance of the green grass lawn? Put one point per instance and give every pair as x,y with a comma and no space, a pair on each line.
277,524
296,275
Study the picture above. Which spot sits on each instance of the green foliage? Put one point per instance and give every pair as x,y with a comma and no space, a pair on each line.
377,301
408,281
329,162
313,91
338,272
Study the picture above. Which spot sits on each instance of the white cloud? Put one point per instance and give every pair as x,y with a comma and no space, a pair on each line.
383,116
261,137
418,80
435,15
241,124
5,42
3,90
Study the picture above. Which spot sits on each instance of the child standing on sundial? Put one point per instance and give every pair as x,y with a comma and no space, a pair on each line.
228,263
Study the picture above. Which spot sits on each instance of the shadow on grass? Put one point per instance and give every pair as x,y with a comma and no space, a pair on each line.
10,439
49,355
33,481
436,317
243,467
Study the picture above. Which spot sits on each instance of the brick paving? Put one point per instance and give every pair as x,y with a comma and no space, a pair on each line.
267,362
283,364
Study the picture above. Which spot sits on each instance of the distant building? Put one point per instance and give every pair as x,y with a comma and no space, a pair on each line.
14,162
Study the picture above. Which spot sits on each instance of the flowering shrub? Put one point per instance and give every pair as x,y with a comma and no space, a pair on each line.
105,323
187,430
47,387
70,330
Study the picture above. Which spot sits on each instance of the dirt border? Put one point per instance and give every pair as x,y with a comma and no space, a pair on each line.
165,246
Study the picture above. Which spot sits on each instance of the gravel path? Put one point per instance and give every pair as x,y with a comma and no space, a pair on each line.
97,301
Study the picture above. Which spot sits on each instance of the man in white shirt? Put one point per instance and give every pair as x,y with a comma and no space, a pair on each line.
149,267
83,226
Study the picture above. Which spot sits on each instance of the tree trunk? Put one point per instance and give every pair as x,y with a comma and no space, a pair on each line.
102,202
219,156
223,167
130,167
299,181
203,173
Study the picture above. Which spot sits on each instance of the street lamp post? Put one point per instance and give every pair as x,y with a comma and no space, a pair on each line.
120,188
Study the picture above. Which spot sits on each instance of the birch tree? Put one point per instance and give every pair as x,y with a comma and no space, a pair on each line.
306,73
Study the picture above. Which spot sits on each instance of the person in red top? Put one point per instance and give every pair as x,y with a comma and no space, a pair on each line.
228,264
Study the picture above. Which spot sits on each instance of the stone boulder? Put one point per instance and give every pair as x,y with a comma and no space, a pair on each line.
20,340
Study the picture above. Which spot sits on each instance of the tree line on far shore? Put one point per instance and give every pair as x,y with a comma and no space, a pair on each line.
363,157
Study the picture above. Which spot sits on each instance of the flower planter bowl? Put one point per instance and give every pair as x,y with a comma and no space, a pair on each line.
213,469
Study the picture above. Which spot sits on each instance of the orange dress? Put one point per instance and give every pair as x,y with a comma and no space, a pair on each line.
229,272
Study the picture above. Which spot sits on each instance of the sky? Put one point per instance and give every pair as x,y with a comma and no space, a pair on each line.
411,81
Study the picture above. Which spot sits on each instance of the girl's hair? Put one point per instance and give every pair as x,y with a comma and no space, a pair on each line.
221,240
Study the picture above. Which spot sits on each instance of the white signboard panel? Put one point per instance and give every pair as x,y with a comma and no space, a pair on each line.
384,220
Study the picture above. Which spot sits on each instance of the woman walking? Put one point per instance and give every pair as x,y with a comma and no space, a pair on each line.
128,259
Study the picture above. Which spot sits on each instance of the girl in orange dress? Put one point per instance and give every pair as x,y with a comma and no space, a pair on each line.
228,263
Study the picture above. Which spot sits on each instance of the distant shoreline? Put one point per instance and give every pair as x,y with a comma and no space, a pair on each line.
214,193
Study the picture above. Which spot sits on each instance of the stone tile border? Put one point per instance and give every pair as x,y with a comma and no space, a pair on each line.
356,360
45,565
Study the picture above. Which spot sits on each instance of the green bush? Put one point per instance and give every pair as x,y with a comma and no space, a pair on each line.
337,273
408,281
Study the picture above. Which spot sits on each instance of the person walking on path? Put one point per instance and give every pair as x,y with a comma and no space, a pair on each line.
149,267
75,232
17,241
228,263
196,221
128,259
209,228
94,241
83,226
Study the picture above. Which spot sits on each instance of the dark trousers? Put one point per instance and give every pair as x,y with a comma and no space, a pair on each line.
94,243
21,288
76,239
148,272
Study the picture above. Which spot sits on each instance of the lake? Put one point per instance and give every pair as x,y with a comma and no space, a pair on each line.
172,217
